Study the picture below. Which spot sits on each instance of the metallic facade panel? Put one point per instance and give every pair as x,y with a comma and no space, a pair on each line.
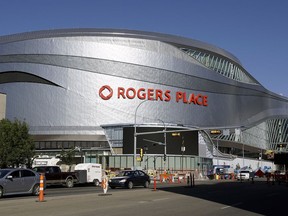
2,106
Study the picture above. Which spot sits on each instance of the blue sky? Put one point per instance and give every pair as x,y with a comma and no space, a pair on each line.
255,31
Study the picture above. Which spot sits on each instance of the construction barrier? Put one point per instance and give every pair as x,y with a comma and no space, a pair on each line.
166,177
104,184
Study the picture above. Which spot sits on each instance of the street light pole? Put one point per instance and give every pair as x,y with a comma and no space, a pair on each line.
243,154
165,143
78,148
183,150
217,153
135,136
243,151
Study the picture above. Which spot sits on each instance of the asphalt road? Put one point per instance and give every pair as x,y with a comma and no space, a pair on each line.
206,198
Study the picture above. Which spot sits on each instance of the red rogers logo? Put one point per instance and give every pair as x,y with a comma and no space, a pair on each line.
105,96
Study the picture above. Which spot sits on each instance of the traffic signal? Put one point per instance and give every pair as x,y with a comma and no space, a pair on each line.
176,134
141,154
164,157
215,132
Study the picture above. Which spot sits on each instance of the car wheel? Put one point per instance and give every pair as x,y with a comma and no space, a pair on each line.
69,183
96,182
130,185
146,184
36,190
1,192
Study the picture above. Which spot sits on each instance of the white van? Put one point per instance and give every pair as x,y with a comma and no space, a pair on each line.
45,160
89,173
243,175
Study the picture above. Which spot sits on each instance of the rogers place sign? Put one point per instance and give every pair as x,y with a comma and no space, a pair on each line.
106,92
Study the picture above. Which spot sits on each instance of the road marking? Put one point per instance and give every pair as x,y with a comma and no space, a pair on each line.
236,204
155,200
161,199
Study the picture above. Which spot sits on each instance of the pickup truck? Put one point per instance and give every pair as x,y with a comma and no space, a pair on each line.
54,176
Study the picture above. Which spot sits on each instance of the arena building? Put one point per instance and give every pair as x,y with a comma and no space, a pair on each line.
91,89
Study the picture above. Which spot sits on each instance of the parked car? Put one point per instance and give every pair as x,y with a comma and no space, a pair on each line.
19,181
129,179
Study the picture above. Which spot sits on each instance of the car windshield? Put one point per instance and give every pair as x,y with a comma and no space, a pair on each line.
244,171
125,173
39,169
3,173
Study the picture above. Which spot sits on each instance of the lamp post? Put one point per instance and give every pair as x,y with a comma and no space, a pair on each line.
178,134
238,138
243,150
243,154
182,150
165,142
78,148
135,135
217,153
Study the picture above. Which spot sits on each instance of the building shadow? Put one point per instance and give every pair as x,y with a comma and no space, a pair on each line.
257,197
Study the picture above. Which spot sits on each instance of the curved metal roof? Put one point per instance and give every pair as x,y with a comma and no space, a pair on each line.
172,39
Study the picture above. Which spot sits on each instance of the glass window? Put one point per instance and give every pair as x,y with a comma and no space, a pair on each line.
65,145
53,145
71,144
47,145
15,174
141,173
27,173
217,63
59,145
3,173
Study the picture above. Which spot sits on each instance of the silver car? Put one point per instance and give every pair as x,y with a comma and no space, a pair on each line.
19,181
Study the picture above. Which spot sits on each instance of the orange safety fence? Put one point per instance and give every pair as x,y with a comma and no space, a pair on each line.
166,177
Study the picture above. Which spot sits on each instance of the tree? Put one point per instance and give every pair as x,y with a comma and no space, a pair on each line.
16,144
67,157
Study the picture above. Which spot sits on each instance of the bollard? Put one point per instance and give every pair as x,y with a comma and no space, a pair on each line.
268,178
193,177
41,188
154,183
